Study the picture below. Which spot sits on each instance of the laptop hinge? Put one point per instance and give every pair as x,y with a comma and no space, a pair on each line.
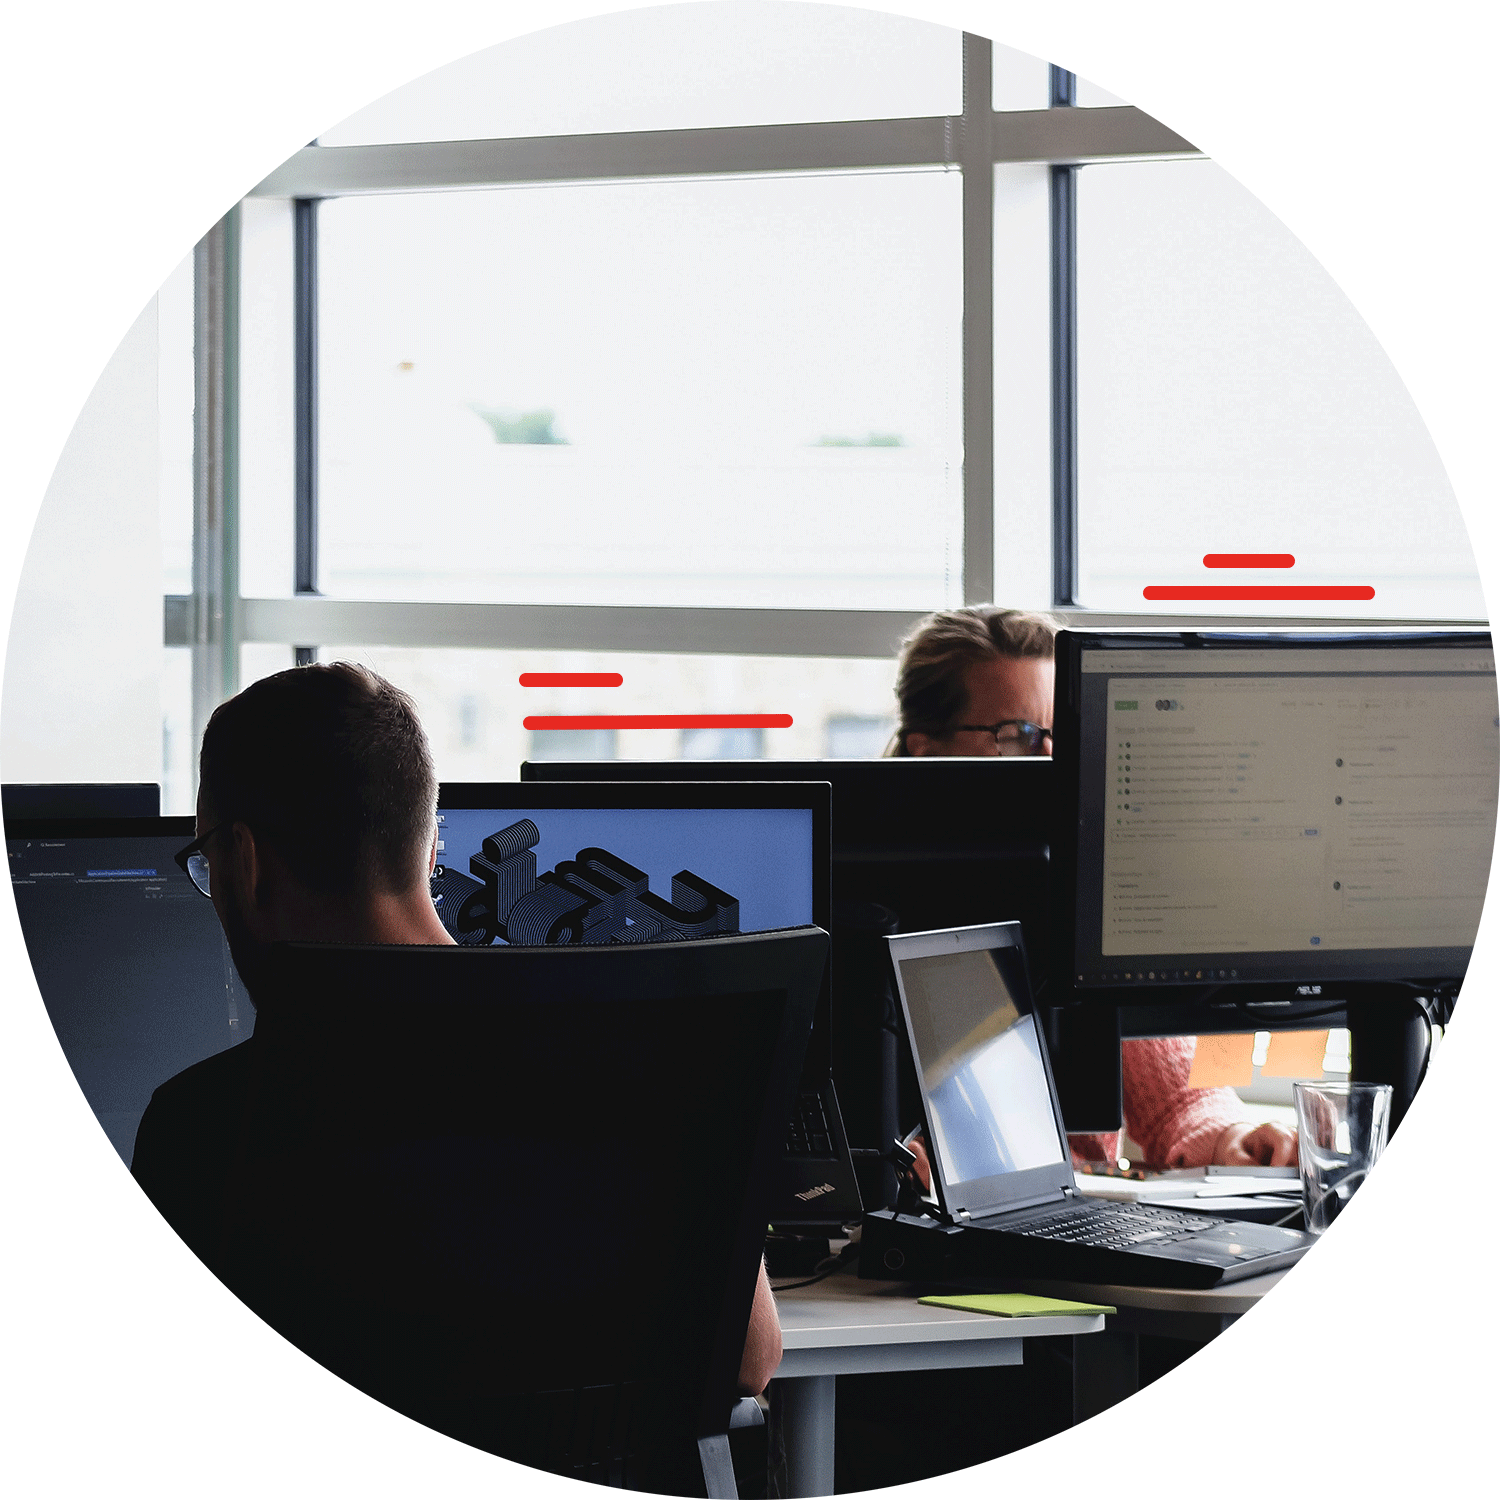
1035,1201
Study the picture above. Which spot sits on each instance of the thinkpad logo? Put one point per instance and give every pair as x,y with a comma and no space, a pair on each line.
816,1192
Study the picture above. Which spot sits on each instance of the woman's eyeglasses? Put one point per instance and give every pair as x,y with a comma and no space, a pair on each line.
1013,736
193,862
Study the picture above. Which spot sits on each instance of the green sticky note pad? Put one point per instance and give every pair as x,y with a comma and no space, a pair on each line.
1015,1305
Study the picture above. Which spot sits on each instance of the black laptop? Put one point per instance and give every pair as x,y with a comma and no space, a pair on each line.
1002,1173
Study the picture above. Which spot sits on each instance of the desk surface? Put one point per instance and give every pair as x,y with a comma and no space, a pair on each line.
845,1326
1218,1301
845,1313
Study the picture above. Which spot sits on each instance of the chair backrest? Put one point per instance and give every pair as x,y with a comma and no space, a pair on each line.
470,1175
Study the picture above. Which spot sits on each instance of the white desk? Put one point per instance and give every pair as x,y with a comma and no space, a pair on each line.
845,1326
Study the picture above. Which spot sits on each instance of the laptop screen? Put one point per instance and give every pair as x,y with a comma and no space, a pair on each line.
994,1132
981,1065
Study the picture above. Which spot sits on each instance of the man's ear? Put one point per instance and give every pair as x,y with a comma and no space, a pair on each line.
249,866
918,743
432,852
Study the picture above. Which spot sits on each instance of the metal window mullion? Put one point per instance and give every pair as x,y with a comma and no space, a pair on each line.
710,630
305,404
844,145
305,393
215,615
976,161
1038,135
665,630
1063,210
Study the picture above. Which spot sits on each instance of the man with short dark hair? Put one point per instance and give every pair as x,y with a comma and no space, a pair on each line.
317,821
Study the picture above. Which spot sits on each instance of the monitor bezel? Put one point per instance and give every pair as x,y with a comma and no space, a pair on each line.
1279,968
101,828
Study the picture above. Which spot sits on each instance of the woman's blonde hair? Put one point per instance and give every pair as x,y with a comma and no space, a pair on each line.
930,690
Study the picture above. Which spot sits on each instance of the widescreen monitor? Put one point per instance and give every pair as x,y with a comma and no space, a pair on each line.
918,843
578,863
129,957
1273,808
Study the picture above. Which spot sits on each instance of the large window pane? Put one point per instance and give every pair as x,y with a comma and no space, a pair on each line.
676,68
684,393
1018,80
473,706
1231,400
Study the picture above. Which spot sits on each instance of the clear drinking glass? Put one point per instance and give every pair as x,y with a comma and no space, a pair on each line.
1341,1131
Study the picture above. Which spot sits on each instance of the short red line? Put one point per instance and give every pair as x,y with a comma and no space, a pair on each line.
1249,560
571,679
658,721
1258,591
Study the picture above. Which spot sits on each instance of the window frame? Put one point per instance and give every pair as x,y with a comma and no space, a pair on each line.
215,619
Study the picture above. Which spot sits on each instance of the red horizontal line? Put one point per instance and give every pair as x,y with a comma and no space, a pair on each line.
571,679
658,721
1258,591
1249,560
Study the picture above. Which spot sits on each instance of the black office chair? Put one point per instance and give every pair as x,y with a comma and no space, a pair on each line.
519,1194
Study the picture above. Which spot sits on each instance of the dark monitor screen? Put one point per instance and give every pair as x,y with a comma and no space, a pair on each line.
80,799
129,957
916,807
1274,808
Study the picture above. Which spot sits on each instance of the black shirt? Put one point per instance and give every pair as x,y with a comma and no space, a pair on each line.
186,1142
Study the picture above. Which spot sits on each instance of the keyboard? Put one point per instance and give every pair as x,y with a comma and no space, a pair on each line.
809,1133
1116,1227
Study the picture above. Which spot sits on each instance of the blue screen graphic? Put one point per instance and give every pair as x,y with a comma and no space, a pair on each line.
610,875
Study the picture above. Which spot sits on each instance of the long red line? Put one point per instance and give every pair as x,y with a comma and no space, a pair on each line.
1249,560
1258,591
658,721
571,679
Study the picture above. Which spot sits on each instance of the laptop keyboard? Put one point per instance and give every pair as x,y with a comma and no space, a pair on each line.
1116,1228
809,1134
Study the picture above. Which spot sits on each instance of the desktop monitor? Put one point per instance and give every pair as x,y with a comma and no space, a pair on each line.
80,799
129,957
1258,809
918,843
563,864
558,864
897,808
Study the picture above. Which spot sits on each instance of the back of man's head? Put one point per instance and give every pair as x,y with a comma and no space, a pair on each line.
329,765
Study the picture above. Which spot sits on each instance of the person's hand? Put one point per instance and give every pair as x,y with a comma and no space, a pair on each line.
922,1167
1266,1145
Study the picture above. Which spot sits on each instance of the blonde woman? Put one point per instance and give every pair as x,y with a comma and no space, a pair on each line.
979,681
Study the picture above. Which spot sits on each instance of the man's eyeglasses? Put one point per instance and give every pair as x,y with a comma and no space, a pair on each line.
193,862
1013,736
